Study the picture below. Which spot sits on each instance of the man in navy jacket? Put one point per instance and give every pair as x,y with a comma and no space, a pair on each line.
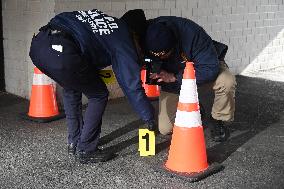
174,40
71,49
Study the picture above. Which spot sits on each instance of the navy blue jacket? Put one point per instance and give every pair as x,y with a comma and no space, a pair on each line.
106,41
198,47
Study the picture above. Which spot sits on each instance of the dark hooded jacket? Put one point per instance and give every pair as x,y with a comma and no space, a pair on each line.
195,45
105,41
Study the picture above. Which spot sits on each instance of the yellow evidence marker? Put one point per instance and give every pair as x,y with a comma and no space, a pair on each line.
146,142
107,76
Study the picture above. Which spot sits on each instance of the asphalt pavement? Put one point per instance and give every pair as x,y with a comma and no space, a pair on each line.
33,155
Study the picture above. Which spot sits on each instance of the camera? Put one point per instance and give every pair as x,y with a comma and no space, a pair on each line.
152,66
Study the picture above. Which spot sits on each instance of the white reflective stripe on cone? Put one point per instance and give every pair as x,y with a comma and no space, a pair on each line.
188,91
188,84
41,79
188,96
188,119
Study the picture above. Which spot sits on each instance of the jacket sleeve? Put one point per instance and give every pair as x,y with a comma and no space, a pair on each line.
221,49
202,52
127,72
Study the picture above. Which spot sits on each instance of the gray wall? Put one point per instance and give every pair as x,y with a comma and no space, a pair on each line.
253,29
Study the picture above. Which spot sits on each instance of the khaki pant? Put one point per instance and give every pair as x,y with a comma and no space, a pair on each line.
224,101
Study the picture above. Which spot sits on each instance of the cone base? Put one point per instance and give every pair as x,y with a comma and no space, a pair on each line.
43,119
194,177
187,151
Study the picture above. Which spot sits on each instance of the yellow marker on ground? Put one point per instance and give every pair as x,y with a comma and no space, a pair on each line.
146,142
107,76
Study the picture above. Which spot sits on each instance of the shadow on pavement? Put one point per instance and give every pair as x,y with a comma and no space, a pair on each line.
122,145
8,100
256,110
118,133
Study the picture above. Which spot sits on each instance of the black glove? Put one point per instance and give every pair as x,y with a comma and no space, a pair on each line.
152,126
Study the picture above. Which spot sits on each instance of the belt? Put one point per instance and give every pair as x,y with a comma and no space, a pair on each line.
61,33
54,30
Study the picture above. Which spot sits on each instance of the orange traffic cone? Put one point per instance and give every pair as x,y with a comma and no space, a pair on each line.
43,106
152,91
187,155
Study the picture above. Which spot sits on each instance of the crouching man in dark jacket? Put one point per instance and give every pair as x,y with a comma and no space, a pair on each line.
71,49
174,40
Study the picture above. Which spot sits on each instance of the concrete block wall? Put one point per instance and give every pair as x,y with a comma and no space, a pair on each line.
21,19
253,30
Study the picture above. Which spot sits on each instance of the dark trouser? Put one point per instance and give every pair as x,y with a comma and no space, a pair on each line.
76,77
83,133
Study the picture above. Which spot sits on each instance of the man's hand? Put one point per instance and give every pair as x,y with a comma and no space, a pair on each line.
164,76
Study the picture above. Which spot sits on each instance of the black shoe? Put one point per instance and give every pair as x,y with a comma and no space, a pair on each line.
152,126
219,132
71,148
94,157
202,111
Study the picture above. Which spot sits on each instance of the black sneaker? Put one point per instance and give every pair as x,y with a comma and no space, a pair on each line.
151,126
202,111
94,157
71,148
219,132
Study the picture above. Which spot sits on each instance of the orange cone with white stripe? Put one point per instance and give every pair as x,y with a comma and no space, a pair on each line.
152,91
43,106
187,155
